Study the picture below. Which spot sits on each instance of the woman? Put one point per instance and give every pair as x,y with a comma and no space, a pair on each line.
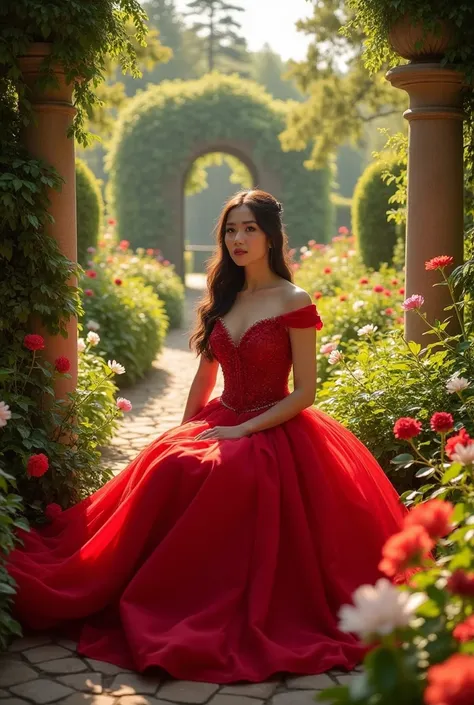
225,549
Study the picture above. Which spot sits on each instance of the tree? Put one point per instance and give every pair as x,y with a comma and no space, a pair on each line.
268,68
220,31
343,97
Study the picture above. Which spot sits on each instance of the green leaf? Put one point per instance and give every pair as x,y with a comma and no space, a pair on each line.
402,459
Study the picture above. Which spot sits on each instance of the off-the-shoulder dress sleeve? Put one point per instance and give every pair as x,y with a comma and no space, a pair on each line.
305,317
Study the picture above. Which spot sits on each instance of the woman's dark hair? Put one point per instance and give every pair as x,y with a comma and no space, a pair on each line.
225,278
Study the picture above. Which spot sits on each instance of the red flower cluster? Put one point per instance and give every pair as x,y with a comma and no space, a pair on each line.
387,292
461,438
111,221
394,282
124,245
88,292
433,516
439,262
327,270
52,511
378,288
343,230
150,251
37,465
406,428
317,295
404,550
91,273
364,280
343,297
118,282
465,631
401,291
389,311
461,583
441,422
33,342
451,682
62,364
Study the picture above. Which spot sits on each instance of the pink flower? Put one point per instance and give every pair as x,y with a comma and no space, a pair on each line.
150,251
124,245
378,289
91,250
166,263
88,292
91,273
37,465
124,404
327,348
52,511
343,230
33,342
413,302
389,312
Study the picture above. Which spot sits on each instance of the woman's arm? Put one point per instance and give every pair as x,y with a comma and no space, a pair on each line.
201,387
303,342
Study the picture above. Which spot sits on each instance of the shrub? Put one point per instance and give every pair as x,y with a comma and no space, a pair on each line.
130,318
343,210
90,208
375,235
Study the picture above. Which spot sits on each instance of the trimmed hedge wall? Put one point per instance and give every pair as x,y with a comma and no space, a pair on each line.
375,235
165,128
90,209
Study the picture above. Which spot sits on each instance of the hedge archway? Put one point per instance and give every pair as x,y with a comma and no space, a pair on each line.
166,128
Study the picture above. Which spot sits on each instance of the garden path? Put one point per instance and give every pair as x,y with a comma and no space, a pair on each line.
43,670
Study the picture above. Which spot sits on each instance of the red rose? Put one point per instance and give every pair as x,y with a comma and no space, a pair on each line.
91,273
62,364
442,422
461,583
317,295
52,511
406,428
378,289
364,280
389,312
327,270
434,516
439,262
343,297
118,282
451,682
88,292
33,342
465,631
404,550
37,465
401,291
111,221
462,438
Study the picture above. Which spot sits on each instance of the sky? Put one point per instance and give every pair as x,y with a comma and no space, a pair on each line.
272,22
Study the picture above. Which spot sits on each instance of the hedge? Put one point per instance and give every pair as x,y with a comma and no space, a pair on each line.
90,209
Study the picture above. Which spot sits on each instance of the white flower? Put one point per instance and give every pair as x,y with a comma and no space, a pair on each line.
337,336
5,414
328,348
351,253
457,383
81,345
333,260
116,367
335,357
92,325
93,338
134,260
379,609
463,454
358,373
303,249
357,305
369,329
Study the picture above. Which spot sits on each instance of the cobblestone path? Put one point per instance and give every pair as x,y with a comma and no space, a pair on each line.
44,670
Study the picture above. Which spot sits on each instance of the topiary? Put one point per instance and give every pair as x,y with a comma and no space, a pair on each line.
375,235
90,209
160,135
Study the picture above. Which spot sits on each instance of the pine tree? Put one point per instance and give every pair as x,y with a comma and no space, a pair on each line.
219,29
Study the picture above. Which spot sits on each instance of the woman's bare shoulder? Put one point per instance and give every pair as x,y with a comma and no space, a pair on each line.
294,297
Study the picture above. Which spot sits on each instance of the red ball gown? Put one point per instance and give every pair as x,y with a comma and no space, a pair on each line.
227,560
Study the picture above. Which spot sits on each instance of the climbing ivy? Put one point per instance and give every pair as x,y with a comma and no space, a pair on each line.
164,128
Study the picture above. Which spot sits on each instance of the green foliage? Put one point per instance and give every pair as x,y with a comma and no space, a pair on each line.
132,322
90,210
375,235
160,132
268,68
343,210
11,509
82,35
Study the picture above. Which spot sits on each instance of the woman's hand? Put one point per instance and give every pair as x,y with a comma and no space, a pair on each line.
220,433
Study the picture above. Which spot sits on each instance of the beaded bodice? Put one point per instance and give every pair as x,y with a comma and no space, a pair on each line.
256,367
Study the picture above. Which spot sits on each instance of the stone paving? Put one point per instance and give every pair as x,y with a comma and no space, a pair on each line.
41,669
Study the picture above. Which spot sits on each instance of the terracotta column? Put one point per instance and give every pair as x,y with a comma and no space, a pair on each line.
45,137
435,183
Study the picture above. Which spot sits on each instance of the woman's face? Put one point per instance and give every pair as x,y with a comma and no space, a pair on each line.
245,241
